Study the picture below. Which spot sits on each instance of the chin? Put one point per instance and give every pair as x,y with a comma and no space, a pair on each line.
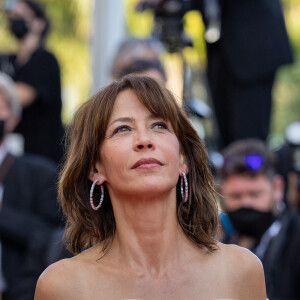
155,187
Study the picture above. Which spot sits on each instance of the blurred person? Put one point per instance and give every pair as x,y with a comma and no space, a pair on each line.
151,68
37,76
141,56
28,197
143,216
288,155
242,61
42,251
293,191
252,198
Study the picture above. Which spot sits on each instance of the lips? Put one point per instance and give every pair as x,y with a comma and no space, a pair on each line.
147,163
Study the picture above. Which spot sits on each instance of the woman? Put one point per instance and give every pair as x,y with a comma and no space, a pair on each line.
140,206
37,75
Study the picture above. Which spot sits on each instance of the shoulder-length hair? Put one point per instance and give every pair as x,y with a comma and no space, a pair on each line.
198,217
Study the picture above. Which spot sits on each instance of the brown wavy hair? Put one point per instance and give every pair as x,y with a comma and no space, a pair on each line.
198,217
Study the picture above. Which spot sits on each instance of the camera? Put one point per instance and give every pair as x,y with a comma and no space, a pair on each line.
168,15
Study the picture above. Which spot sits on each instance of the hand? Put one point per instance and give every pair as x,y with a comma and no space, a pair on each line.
37,26
31,41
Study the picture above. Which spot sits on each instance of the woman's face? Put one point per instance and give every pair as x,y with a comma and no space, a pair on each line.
140,154
21,10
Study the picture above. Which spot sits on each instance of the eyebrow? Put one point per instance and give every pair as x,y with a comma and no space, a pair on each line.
131,120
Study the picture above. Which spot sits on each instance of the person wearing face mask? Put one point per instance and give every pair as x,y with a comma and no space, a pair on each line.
37,75
255,217
28,197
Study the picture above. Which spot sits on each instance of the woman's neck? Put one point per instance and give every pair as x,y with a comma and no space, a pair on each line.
148,235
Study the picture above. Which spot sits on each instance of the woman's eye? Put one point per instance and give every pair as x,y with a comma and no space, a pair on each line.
122,128
160,125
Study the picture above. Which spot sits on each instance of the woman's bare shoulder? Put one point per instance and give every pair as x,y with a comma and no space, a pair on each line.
57,280
245,271
236,254
62,267
66,279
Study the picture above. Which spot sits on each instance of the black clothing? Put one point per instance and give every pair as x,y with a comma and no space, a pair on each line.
29,207
41,123
242,65
282,261
280,258
242,110
43,252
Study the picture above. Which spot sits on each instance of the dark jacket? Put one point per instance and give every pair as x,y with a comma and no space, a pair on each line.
41,123
254,40
29,207
282,261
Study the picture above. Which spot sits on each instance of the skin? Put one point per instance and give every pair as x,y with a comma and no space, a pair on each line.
30,42
150,257
259,193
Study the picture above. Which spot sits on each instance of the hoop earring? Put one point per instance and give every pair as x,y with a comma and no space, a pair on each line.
91,196
185,194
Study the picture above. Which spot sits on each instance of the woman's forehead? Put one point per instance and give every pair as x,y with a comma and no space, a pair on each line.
127,103
129,99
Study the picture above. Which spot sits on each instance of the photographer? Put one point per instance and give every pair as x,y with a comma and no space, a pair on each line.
28,197
140,56
289,165
242,65
37,76
246,43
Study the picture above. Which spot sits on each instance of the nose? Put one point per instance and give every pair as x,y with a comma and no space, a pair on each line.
247,201
143,142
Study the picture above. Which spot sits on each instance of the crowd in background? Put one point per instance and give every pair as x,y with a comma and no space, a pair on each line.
260,190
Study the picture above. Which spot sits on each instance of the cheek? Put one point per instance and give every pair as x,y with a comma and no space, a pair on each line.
172,155
114,158
231,205
172,149
4,113
268,202
110,163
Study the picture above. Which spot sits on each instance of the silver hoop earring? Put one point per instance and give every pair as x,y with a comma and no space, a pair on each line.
185,193
91,196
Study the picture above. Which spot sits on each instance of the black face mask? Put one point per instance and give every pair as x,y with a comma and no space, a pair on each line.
250,222
2,126
18,27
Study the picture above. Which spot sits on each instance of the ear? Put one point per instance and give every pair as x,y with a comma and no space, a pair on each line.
97,173
183,167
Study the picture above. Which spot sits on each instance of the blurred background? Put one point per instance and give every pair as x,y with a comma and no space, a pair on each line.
85,36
